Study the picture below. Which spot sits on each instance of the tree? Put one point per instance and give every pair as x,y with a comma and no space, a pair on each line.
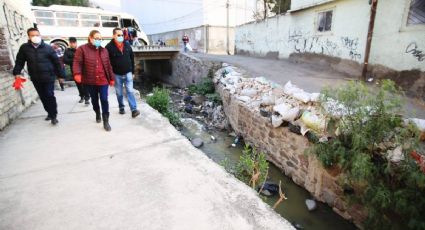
60,2
281,6
274,6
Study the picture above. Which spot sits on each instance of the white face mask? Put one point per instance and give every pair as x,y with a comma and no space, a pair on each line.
36,39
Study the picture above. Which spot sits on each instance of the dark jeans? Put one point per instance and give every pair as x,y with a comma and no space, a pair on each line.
46,93
82,91
99,92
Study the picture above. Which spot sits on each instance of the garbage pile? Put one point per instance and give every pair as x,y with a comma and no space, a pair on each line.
304,113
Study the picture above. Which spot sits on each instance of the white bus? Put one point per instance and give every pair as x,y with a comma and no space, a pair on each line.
57,23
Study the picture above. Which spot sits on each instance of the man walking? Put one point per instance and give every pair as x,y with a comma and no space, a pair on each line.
43,67
122,61
68,58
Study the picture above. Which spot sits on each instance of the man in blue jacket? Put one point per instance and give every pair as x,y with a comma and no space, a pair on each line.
122,61
43,67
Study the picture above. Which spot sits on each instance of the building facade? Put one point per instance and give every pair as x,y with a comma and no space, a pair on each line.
335,33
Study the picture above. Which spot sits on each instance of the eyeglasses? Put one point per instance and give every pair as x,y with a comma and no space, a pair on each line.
119,35
98,39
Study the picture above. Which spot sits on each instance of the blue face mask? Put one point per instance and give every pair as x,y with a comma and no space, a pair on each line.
120,39
97,43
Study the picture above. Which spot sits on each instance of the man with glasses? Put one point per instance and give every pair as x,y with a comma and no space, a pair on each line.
122,61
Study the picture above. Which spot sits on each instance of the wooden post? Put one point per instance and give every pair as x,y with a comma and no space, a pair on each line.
369,37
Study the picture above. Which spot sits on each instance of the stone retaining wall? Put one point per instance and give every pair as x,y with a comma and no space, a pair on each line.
288,151
13,25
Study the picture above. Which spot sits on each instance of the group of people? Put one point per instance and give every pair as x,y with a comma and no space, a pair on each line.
93,67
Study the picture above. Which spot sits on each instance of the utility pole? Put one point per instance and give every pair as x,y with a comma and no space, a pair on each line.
374,4
228,33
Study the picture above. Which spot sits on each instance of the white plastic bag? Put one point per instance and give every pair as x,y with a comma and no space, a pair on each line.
313,122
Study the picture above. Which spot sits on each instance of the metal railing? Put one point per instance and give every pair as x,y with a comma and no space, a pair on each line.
153,48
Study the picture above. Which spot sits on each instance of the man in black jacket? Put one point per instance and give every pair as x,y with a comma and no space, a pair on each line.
43,67
68,59
122,61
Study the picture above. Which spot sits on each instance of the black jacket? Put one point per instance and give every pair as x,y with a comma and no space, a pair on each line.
68,56
122,63
42,62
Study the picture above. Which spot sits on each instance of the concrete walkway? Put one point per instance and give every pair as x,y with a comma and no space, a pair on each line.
308,77
142,175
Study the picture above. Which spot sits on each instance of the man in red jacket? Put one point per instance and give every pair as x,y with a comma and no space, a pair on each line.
92,68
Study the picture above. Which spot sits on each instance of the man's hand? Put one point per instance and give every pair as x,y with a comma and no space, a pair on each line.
61,80
17,84
77,78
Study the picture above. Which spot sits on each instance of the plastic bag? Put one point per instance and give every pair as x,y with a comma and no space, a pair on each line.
313,122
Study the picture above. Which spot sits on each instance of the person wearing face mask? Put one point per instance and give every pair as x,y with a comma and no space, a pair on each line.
68,59
122,61
43,67
92,68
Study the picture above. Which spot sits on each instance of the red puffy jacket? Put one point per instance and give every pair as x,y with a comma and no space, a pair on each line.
85,64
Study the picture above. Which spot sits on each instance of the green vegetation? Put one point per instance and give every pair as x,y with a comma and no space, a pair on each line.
206,86
391,192
160,100
252,167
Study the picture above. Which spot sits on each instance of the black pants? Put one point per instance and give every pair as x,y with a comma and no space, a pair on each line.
82,91
46,93
99,92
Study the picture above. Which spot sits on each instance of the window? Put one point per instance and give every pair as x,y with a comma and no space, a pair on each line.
89,20
109,21
324,21
67,19
44,18
416,13
43,14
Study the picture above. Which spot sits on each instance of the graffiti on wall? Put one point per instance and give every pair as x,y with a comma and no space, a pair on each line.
16,27
413,49
304,42
352,46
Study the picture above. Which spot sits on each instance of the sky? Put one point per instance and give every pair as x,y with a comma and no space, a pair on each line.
112,5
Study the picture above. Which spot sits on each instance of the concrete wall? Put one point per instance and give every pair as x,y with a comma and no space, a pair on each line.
14,21
204,39
395,44
181,71
296,33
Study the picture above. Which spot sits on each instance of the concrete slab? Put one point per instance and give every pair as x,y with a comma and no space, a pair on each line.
141,175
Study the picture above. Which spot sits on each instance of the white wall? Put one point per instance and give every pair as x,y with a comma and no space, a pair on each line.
394,44
296,32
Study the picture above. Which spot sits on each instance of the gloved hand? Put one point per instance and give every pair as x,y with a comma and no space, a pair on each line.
77,78
112,83
17,84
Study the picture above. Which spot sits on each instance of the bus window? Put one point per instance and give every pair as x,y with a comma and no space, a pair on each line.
134,24
126,22
43,14
89,20
109,21
45,22
67,19
44,18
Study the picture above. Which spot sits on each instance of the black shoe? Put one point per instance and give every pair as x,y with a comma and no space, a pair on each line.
87,102
135,113
81,100
98,118
122,111
54,121
106,125
47,118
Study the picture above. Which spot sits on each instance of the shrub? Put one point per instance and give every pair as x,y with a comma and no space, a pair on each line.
391,192
252,167
160,100
206,86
